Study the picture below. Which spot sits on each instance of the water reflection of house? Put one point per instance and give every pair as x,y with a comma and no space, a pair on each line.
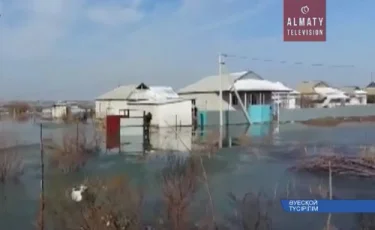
168,138
164,104
356,95
320,94
179,139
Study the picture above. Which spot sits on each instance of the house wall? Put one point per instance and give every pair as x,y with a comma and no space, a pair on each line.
314,113
165,115
58,111
361,99
109,107
286,100
47,111
139,109
175,114
206,101
210,101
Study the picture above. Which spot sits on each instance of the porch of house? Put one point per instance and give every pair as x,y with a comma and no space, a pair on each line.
258,104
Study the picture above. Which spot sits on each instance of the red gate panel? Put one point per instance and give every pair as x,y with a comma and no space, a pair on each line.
113,131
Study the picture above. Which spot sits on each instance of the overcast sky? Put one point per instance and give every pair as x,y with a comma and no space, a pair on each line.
79,49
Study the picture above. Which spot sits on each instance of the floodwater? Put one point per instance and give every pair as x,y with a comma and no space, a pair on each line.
262,167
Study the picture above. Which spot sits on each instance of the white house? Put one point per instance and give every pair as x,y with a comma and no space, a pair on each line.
321,94
356,95
165,105
112,102
59,110
286,99
47,112
62,109
332,97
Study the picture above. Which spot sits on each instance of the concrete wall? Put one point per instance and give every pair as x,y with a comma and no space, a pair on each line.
212,118
229,117
175,114
314,113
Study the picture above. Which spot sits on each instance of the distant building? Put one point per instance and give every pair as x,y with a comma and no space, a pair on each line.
287,99
307,88
320,94
62,109
356,95
370,89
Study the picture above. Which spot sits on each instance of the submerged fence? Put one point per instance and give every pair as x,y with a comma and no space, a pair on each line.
235,117
305,114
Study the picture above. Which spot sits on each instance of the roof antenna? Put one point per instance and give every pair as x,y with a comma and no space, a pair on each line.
371,77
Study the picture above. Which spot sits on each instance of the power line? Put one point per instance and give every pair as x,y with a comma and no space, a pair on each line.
284,62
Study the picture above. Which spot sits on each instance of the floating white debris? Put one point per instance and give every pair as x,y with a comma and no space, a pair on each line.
77,193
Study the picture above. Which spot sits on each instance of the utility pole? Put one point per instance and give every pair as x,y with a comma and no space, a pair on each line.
221,63
221,88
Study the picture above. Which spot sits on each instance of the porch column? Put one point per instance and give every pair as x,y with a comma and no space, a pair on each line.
230,100
245,101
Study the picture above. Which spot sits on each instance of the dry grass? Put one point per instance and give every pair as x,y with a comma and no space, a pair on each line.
111,204
179,183
251,212
18,107
361,165
335,121
324,122
366,221
11,161
74,151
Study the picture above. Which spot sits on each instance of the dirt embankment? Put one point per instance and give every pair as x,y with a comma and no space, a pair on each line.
335,121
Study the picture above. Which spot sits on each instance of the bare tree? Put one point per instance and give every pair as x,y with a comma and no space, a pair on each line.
180,180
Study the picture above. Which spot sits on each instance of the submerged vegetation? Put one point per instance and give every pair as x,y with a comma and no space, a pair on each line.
11,161
335,121
184,195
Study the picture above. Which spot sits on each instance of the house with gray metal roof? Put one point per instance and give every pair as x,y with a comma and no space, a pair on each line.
308,87
115,98
205,92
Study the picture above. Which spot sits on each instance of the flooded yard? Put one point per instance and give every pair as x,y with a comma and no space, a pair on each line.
261,166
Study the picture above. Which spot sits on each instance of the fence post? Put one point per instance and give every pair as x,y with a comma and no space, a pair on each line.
42,178
77,136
